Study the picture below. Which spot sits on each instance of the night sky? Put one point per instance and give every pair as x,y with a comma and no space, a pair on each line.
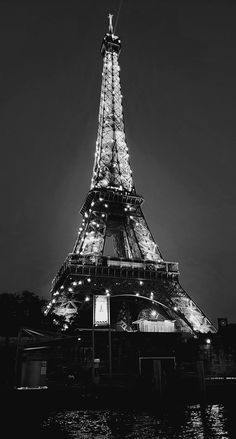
178,70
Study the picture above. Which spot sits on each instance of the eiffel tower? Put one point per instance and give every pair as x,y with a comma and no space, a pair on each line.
140,283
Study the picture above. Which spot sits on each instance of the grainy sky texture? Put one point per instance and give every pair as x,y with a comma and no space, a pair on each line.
178,70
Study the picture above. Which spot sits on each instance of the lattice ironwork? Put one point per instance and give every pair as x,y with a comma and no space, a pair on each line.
112,209
111,165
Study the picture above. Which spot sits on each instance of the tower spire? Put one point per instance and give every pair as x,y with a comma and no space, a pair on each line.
110,16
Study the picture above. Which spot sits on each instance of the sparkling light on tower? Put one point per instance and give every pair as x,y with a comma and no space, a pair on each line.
112,211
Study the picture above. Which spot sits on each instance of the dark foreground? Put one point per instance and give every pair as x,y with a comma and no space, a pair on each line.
119,413
182,421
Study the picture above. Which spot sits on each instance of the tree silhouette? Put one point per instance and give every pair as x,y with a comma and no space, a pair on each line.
124,316
23,309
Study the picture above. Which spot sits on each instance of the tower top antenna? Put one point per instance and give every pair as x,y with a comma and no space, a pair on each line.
110,16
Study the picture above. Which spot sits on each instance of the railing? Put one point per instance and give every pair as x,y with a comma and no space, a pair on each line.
111,196
114,267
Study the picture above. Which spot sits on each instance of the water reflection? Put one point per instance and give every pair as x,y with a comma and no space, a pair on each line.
191,422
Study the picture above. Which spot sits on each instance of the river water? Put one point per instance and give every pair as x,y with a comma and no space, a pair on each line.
185,422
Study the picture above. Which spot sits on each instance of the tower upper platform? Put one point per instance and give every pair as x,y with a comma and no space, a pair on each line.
111,43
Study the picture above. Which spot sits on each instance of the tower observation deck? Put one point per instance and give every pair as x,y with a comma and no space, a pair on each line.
144,289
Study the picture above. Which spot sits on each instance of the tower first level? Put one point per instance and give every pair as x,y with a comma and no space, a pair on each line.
144,296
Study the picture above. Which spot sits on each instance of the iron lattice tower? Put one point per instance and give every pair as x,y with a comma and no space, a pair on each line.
112,211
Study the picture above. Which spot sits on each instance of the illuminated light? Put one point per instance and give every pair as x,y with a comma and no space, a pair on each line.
53,300
151,295
92,204
131,217
56,293
87,299
103,215
70,290
136,224
74,283
140,282
81,228
86,215
175,308
137,294
80,282
106,205
100,199
208,341
62,287
88,280
108,294
79,338
153,313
